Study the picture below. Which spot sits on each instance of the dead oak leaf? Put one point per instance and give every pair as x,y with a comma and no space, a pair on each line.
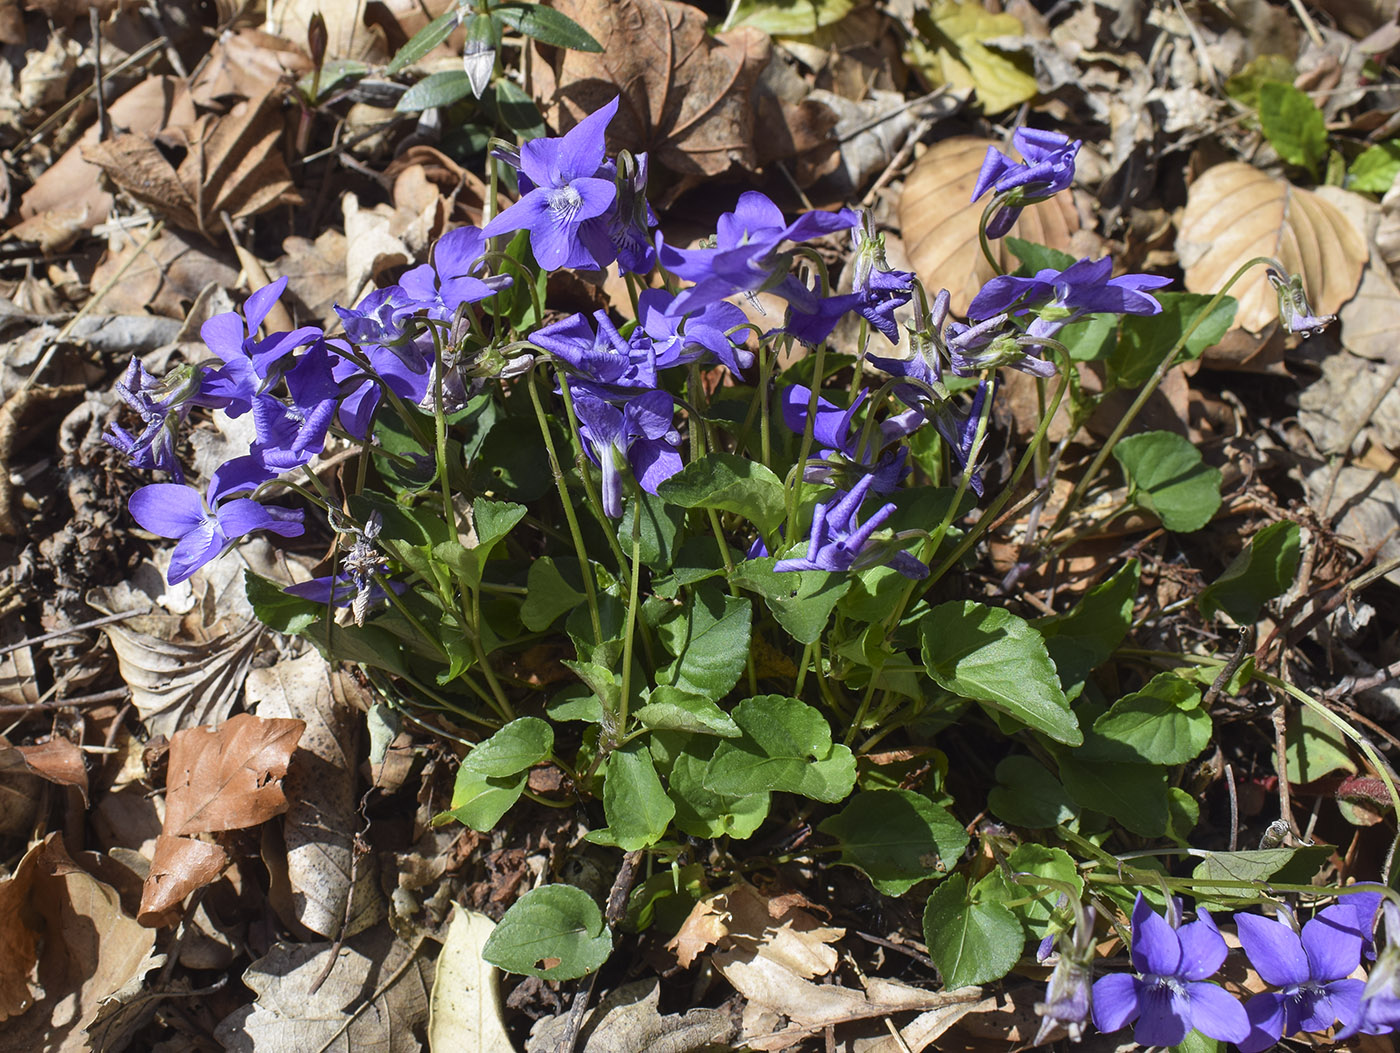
58,760
685,94
230,163
229,777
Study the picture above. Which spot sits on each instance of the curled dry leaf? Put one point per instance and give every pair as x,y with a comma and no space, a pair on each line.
320,823
375,997
179,866
685,94
65,947
57,760
940,221
1234,212
628,1020
231,164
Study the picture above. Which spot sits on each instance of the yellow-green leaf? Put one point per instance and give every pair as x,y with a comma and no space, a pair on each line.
950,49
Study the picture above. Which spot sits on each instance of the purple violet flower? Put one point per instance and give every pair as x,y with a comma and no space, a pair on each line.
837,440
565,191
745,258
638,434
1379,1010
1169,997
683,338
1047,169
250,365
1061,296
204,532
838,542
456,276
1312,970
289,434
1069,993
163,403
605,363
624,231
1294,311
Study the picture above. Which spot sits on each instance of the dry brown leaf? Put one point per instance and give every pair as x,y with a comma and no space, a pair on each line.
1234,212
685,95
167,274
626,1020
66,940
348,36
940,221
174,684
246,64
315,271
374,998
1369,318
19,682
229,777
321,820
231,163
741,916
465,1012
70,189
180,866
57,760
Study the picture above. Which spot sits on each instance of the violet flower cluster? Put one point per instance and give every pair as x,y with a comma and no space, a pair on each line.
1313,973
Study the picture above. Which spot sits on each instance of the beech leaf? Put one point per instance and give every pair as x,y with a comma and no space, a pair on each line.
940,221
1234,212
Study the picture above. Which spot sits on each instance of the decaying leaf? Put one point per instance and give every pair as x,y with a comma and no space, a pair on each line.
464,1014
741,914
231,163
955,46
374,998
167,273
175,684
628,1020
1368,319
1234,212
18,683
685,94
58,760
65,946
348,35
320,822
940,221
224,778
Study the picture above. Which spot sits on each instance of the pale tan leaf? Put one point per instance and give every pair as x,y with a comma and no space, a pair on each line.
374,998
628,1020
19,944
464,1014
229,777
1370,317
1234,212
940,221
320,822
87,949
348,35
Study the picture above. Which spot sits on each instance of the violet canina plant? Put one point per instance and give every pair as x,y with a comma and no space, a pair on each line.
749,543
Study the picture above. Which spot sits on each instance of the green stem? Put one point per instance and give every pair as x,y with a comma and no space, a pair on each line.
631,629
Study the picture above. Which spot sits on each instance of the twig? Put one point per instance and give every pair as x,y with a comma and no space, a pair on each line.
1352,685
104,122
1230,669
1234,806
1285,797
21,708
70,630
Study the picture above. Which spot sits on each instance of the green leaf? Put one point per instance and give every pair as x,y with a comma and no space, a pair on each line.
897,838
1314,747
729,483
555,932
1083,638
519,745
434,90
1183,813
1166,476
602,681
1264,569
548,595
1282,865
546,25
1091,339
788,18
1026,794
990,655
970,943
786,746
955,53
516,110
709,638
1133,794
1035,257
1375,168
700,812
1144,340
1244,86
1161,724
422,42
480,801
668,709
1032,904
1195,1042
1293,124
634,801
658,528
801,600
280,612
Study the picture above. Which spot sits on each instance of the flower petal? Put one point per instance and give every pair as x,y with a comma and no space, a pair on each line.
1333,951
168,509
1264,1014
1166,1013
1217,1013
243,515
1156,949
1115,1003
195,549
1203,949
1274,950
